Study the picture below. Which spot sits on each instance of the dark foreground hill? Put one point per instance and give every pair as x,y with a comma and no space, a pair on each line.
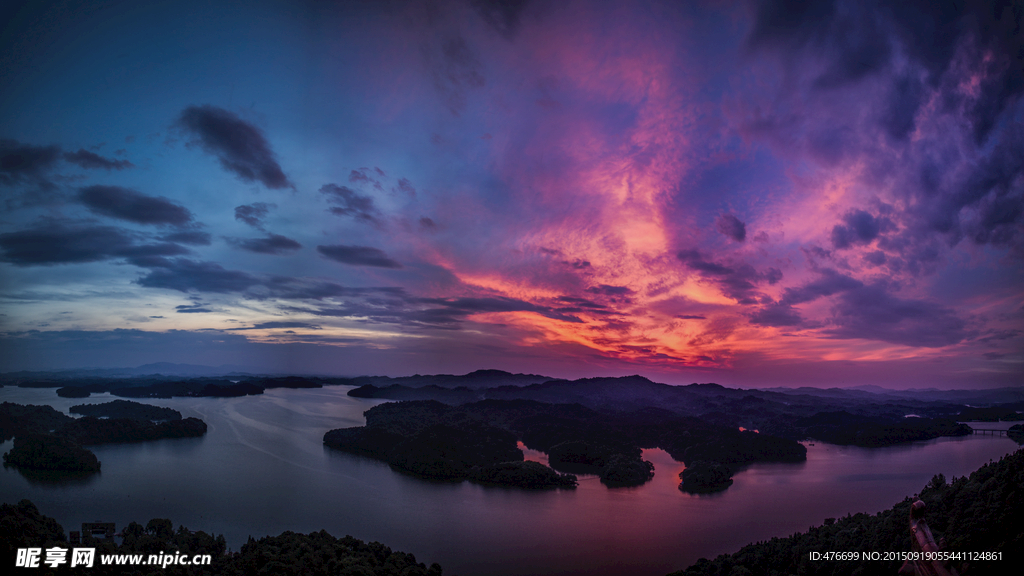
314,554
980,513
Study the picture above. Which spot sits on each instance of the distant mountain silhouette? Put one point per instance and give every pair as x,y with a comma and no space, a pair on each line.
476,380
153,369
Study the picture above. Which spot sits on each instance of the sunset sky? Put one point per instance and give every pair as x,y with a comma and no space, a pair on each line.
751,193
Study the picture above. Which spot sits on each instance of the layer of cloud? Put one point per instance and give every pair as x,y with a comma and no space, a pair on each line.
732,227
26,163
133,206
737,281
192,237
253,214
57,243
87,159
272,244
358,256
348,202
187,275
240,146
867,312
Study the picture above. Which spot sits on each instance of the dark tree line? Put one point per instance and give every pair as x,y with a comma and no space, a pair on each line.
314,554
980,513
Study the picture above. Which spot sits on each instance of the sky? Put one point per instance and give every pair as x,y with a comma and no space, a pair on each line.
780,193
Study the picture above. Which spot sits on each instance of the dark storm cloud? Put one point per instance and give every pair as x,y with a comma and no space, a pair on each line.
348,202
776,315
502,15
405,186
128,204
240,146
986,32
859,227
581,302
871,313
26,163
831,282
904,68
456,70
607,290
253,214
184,275
905,97
994,335
56,243
191,237
87,159
272,244
868,312
358,256
447,313
857,39
737,281
876,258
732,227
789,24
986,203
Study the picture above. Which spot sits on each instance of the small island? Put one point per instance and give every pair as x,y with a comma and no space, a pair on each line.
45,439
979,512
50,453
430,440
703,477
1016,433
126,409
617,465
433,440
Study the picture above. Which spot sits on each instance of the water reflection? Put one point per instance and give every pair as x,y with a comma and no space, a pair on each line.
262,469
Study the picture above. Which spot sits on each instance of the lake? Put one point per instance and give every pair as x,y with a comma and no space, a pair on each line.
262,469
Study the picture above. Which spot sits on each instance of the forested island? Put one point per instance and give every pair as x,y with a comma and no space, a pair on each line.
435,440
49,453
126,409
727,427
980,513
315,554
47,440
869,417
837,416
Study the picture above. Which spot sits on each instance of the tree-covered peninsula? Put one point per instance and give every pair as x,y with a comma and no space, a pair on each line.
45,439
50,453
431,440
435,440
126,409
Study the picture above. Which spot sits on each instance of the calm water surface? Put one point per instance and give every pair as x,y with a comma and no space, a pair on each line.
262,469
